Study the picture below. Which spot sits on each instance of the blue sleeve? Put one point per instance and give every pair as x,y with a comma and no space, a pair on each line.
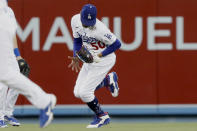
113,47
77,44
17,52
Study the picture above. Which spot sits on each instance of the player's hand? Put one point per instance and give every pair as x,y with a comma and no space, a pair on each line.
74,63
24,67
96,57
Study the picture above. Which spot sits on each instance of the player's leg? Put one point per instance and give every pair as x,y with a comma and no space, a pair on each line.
104,83
80,80
111,83
3,92
87,96
11,99
12,96
40,99
80,83
95,75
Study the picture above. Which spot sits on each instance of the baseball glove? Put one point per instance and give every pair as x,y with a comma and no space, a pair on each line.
24,67
84,55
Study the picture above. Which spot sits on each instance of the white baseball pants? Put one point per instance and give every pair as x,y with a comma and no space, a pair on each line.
90,76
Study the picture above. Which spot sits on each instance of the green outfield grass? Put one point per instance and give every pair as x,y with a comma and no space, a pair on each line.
110,127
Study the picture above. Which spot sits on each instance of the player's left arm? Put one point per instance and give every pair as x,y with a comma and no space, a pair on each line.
112,48
24,67
112,42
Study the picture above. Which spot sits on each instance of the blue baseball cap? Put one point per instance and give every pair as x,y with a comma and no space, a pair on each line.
88,15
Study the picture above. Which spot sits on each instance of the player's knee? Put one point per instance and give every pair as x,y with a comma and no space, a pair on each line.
76,94
86,96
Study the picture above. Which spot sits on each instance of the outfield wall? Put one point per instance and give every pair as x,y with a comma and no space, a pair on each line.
157,61
114,110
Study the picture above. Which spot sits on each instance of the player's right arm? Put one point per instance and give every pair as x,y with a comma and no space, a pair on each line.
77,44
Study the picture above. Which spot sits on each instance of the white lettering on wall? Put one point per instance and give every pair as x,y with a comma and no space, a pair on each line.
52,38
33,28
180,36
105,20
138,34
153,33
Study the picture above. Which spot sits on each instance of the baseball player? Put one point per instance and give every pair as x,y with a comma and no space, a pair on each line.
94,39
9,97
11,78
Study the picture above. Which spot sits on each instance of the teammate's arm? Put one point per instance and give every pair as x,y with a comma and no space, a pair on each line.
24,67
16,50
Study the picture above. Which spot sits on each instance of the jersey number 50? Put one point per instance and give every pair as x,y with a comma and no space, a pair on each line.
98,45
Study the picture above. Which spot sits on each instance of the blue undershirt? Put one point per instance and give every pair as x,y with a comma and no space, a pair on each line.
77,45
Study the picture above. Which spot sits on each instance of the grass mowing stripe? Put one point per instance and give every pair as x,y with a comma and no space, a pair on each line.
111,127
